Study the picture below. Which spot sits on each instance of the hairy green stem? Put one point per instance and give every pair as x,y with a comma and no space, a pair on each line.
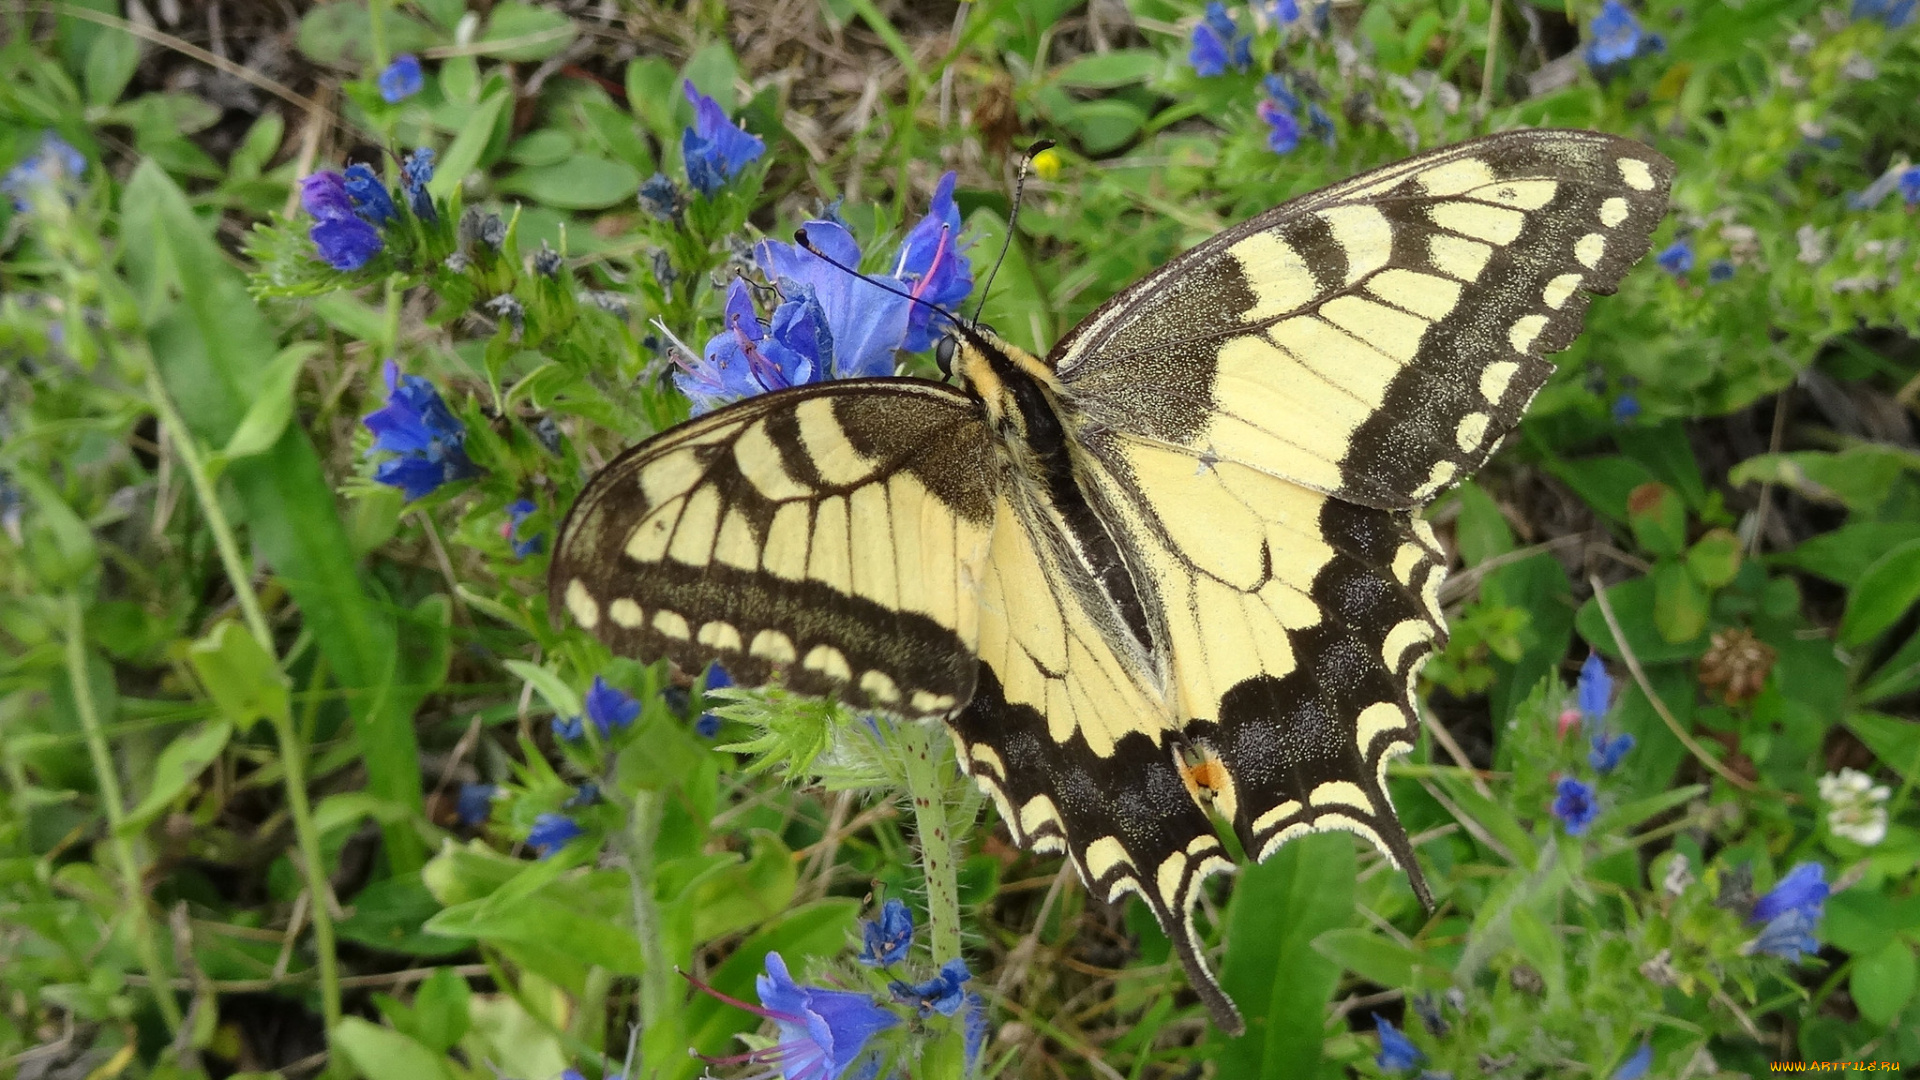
656,980
109,780
924,746
377,32
292,751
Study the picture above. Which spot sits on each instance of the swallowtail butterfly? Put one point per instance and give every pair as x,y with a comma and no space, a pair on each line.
1177,566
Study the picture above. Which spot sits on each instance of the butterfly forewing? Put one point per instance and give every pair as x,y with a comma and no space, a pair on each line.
1377,339
830,537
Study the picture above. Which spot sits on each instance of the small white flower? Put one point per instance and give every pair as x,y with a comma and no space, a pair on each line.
1856,806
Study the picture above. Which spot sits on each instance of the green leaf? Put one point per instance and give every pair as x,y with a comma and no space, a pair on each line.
182,762
1372,957
1633,605
1714,559
1104,71
1658,517
463,155
713,71
441,1009
267,417
582,182
336,812
1860,477
1844,554
1883,982
1624,817
1481,531
111,61
564,701
1664,449
1105,125
1886,590
1894,741
744,894
339,35
1680,606
1280,981
242,678
384,1054
1603,483
1540,946
389,914
573,917
521,32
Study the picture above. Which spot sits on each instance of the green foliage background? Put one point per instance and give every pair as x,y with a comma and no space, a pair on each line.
194,544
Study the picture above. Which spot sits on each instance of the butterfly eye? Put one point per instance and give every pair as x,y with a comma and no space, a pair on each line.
943,355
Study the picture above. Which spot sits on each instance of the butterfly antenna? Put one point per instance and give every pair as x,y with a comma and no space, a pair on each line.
1013,215
800,237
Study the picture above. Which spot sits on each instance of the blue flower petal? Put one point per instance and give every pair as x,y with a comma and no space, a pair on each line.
887,938
609,708
1397,1052
551,832
402,79
866,321
1594,688
933,264
1575,805
1804,889
714,148
369,196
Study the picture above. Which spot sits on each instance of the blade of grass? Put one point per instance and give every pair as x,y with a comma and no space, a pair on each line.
211,347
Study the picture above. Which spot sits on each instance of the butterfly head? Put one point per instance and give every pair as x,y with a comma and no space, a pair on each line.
998,374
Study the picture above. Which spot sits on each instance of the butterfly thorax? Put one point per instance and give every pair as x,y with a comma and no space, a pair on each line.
1036,429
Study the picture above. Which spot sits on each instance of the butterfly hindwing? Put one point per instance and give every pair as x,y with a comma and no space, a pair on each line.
1377,339
831,536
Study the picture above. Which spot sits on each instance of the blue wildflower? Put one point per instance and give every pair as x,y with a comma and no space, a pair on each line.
660,197
1285,11
609,708
428,439
1397,1052
343,239
715,149
716,678
821,1032
976,1033
1719,271
1283,136
1320,124
1910,185
888,937
1804,889
933,265
1574,804
865,322
940,994
1677,259
572,729
415,173
1788,936
585,795
53,162
1616,36
475,804
368,195
1894,13
1626,409
1282,94
551,832
1605,752
1218,44
1594,690
518,511
402,79
1637,1065
749,358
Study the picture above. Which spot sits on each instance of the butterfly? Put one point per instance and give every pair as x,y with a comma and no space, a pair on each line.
1175,569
